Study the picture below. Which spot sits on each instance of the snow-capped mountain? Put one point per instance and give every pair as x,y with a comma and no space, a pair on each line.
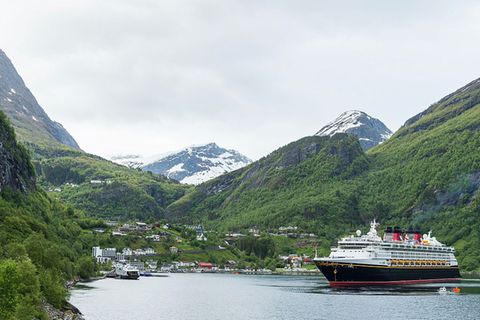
370,131
30,121
192,165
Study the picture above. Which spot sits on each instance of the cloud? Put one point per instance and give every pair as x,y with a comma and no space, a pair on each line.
149,76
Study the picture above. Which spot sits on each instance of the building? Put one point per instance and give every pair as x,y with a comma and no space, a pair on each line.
96,252
139,252
153,237
205,265
103,255
149,251
127,252
173,250
152,265
201,237
138,264
109,252
182,264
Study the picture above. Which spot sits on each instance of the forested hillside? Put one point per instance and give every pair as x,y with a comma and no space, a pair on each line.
426,175
102,188
40,239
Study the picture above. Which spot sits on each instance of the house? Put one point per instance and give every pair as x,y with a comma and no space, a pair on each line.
127,252
173,250
167,268
230,264
152,264
139,252
205,265
297,262
118,234
149,251
201,237
96,181
141,226
153,237
181,264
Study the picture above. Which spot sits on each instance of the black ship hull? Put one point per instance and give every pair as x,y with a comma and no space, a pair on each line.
343,274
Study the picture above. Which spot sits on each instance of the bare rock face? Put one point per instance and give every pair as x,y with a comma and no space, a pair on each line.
26,115
16,170
55,314
369,131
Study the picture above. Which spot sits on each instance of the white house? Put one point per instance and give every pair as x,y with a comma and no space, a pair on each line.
201,237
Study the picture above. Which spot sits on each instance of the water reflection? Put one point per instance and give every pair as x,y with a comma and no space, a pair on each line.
321,286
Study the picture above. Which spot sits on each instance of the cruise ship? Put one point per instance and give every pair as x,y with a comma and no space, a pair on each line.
400,258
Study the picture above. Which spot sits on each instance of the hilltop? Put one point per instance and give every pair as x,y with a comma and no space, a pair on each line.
369,131
192,165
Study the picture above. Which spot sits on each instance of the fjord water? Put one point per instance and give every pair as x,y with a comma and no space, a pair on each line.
214,296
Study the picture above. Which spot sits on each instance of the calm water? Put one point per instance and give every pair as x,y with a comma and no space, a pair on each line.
212,296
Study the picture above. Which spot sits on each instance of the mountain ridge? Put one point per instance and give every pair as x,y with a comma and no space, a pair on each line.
370,131
192,165
30,121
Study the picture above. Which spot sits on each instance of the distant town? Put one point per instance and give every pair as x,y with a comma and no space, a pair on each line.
166,248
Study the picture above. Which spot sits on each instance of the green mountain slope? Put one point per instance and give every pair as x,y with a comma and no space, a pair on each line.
102,188
301,183
426,175
40,246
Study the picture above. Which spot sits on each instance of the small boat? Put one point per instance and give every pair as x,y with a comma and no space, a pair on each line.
443,290
126,271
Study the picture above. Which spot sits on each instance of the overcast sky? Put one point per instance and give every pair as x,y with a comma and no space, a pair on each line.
150,76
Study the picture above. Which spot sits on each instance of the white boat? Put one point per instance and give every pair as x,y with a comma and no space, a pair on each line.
443,290
399,258
126,271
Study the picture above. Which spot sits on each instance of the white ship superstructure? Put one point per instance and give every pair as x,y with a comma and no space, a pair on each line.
403,257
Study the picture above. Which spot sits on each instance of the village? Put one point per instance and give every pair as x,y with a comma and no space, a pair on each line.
164,248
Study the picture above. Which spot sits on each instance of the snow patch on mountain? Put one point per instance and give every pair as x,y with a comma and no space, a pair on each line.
370,131
192,165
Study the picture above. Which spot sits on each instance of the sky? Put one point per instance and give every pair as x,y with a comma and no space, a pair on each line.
150,76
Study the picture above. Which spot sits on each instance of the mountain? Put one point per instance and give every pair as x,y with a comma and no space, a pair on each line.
30,121
426,175
61,165
368,130
192,165
40,238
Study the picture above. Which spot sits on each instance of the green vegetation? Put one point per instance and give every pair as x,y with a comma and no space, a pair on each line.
118,192
36,236
426,175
